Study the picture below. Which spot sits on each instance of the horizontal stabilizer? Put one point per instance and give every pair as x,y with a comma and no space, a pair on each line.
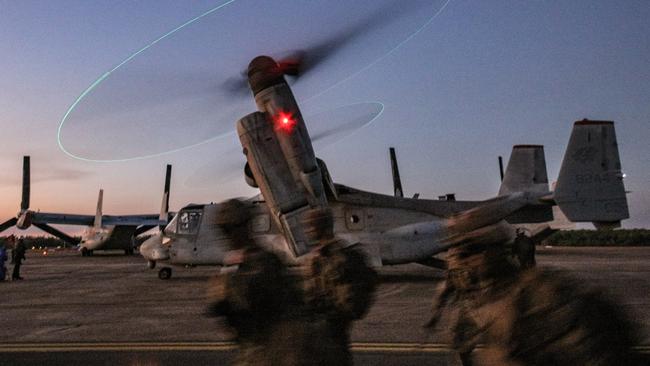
590,184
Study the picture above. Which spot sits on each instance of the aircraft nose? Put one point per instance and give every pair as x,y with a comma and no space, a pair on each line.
153,249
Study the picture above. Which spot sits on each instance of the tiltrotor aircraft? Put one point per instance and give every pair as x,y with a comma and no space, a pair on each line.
390,229
103,232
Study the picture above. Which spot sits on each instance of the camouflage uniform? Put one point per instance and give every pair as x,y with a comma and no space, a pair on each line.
471,269
262,303
285,317
547,318
530,317
339,287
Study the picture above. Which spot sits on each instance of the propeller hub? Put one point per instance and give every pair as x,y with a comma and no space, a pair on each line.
24,220
264,72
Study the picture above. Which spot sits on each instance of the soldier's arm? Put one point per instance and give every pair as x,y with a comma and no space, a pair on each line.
446,292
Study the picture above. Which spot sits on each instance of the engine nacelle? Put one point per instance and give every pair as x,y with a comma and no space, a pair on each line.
294,141
286,197
24,220
280,156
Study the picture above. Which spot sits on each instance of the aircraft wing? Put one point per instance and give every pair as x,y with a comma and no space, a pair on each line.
63,219
88,220
133,220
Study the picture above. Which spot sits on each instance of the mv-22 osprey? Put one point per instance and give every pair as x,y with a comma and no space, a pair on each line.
102,232
390,229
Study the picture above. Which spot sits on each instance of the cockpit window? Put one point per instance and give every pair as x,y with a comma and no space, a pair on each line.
188,222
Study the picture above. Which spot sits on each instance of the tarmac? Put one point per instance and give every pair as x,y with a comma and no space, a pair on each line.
112,309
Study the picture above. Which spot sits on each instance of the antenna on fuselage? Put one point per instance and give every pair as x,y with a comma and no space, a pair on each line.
501,167
168,178
397,182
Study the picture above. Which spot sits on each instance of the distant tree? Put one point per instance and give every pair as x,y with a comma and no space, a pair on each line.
628,237
41,241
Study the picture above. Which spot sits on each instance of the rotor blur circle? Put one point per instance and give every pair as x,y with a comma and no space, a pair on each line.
169,95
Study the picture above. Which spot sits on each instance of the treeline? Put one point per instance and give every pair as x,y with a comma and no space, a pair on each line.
39,242
628,237
54,242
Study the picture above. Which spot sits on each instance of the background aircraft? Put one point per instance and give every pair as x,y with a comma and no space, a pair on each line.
102,232
391,229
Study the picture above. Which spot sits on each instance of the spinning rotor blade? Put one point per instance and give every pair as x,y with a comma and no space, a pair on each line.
298,62
58,233
7,224
175,93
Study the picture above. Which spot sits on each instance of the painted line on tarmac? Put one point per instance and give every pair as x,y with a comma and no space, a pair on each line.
362,347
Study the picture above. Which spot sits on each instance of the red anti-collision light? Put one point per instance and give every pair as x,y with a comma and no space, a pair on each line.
284,121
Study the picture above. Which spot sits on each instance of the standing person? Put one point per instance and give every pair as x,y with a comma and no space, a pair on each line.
523,250
19,257
11,241
3,259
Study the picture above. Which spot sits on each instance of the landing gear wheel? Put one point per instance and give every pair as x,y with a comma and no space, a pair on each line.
151,264
165,273
85,252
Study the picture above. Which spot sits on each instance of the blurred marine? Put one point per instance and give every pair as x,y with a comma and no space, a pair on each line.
527,316
284,315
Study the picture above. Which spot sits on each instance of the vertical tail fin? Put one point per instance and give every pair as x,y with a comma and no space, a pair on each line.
526,171
590,184
24,203
397,181
98,213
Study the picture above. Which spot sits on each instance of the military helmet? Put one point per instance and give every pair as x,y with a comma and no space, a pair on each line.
233,212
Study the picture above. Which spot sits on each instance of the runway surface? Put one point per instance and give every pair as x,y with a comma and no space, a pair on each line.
111,309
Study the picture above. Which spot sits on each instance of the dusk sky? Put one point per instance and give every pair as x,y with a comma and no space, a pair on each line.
460,83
